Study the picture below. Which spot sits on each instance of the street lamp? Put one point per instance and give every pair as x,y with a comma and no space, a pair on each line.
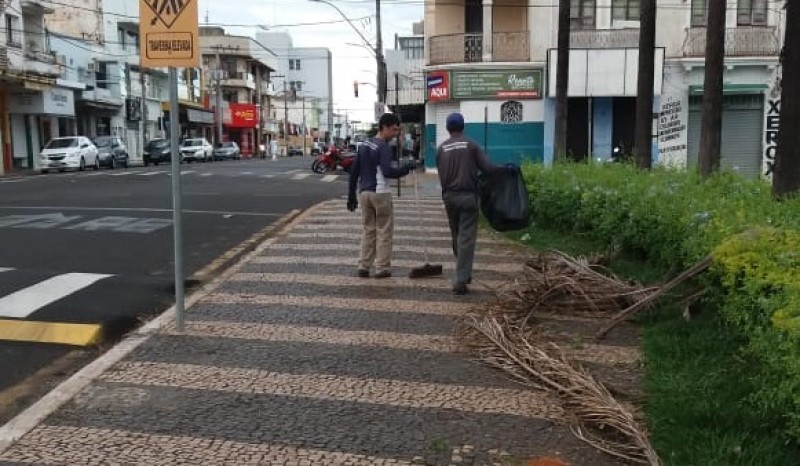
377,49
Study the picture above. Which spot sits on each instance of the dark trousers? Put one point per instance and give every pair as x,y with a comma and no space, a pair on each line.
462,213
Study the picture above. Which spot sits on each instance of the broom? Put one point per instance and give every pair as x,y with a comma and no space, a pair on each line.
427,269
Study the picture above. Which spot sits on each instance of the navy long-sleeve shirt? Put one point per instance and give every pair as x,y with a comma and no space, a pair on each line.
372,167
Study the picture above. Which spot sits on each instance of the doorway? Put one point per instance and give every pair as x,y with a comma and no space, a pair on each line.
623,131
578,129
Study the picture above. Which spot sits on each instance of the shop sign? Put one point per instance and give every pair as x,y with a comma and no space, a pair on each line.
199,116
243,116
438,83
522,84
772,128
53,101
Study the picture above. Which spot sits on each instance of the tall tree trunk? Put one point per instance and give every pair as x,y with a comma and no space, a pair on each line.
711,132
562,79
644,97
786,176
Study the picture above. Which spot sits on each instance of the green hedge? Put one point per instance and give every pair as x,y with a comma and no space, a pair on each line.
674,219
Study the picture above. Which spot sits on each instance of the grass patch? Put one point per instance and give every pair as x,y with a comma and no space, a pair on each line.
698,401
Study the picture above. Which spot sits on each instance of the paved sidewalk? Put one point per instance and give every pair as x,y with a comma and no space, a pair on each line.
288,359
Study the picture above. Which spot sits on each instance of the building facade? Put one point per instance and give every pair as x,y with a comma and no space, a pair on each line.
404,69
35,102
240,69
307,71
495,61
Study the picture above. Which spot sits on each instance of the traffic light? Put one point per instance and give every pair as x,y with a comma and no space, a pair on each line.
355,88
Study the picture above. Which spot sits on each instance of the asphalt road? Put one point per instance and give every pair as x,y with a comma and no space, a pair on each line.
97,248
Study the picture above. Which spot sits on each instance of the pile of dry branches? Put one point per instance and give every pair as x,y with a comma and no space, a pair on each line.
501,333
593,414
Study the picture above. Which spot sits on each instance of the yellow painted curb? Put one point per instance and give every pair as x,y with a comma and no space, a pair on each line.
50,332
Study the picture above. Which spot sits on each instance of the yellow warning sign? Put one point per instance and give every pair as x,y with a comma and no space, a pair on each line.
168,33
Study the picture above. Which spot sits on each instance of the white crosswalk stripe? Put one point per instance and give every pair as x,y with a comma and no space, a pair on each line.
28,300
206,174
329,178
151,173
301,176
124,173
6,269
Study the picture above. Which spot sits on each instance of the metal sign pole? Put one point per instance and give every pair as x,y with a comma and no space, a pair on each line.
177,219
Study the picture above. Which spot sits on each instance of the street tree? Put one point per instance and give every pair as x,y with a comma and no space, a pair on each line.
644,96
711,130
786,176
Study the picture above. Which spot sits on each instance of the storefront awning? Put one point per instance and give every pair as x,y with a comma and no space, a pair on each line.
732,89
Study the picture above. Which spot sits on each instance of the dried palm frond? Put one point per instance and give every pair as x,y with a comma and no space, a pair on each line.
591,411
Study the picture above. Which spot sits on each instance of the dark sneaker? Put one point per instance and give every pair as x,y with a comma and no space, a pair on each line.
383,274
460,289
363,273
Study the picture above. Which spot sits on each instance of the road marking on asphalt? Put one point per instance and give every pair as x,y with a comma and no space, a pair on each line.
6,269
246,173
125,173
329,178
301,176
50,332
25,302
268,176
151,173
206,174
138,209
186,172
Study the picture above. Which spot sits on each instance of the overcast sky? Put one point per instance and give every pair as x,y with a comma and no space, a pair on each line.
349,62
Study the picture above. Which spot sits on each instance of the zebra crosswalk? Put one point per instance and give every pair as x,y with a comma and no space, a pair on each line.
18,321
293,175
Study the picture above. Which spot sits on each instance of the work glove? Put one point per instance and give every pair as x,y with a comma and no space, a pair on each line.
352,202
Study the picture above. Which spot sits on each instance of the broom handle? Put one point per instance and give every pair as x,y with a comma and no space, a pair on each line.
419,217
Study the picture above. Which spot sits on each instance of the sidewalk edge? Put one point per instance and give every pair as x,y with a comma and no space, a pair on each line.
28,419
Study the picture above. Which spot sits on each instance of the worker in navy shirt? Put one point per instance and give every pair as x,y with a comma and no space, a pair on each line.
369,178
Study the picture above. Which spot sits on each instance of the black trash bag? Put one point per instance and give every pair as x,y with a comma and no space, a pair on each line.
504,199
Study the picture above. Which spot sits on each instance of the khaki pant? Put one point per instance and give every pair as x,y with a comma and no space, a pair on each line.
377,216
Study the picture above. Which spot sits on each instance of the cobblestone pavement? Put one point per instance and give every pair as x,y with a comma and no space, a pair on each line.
294,361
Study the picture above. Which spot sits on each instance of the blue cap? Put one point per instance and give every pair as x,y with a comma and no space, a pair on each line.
455,122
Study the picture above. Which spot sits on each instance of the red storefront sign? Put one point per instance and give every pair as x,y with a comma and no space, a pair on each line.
438,86
243,116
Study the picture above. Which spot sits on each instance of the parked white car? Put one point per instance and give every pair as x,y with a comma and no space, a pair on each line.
74,152
196,150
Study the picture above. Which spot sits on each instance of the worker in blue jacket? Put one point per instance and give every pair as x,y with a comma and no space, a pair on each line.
369,188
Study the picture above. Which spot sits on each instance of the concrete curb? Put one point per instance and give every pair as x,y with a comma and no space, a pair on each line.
48,404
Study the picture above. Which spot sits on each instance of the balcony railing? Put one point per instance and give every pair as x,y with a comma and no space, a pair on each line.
468,48
742,41
4,62
604,38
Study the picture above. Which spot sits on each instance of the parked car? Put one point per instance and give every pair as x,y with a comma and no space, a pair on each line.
196,150
157,151
294,150
112,152
227,150
74,152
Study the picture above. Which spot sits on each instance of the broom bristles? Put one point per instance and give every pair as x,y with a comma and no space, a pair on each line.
426,270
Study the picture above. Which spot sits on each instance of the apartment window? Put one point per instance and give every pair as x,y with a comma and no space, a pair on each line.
582,14
297,64
230,96
296,85
291,63
699,13
13,30
511,112
625,10
751,13
294,64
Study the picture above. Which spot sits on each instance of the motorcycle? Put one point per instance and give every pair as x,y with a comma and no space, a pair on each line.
331,160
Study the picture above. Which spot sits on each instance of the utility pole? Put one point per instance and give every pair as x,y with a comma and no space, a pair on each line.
562,79
397,111
143,81
644,96
786,175
379,54
285,118
303,98
260,109
711,132
218,79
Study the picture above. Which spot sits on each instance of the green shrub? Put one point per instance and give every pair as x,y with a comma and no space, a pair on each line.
674,219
